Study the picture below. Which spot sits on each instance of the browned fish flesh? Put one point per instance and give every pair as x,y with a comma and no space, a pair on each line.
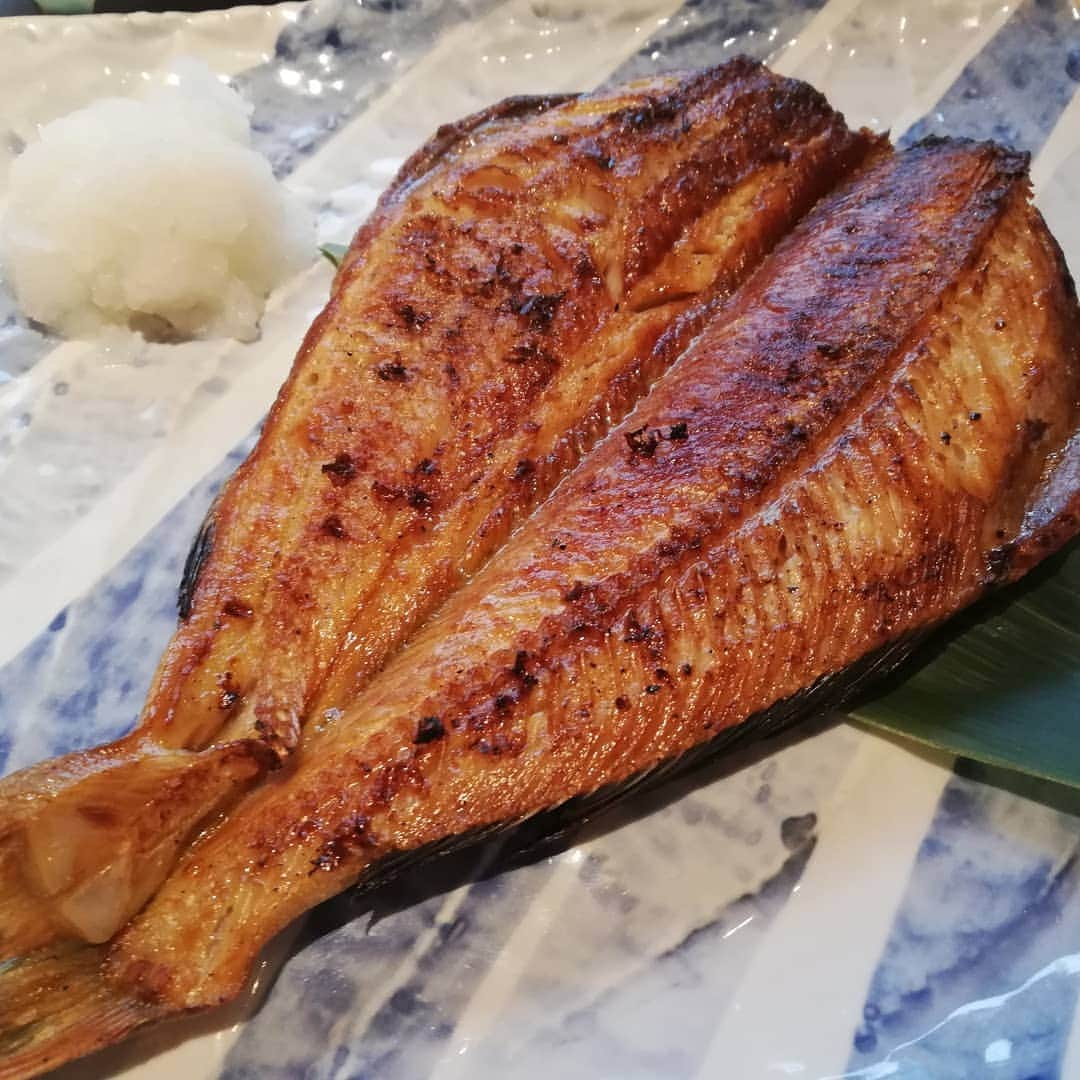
527,275
878,426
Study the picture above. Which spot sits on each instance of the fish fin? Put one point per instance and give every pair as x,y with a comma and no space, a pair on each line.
58,1005
1052,515
197,555
81,860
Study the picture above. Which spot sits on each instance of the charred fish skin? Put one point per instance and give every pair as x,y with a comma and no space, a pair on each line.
780,505
527,276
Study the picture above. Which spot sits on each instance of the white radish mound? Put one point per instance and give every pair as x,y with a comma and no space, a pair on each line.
153,213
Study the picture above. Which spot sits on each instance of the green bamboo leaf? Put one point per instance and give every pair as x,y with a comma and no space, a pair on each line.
334,252
65,7
1001,684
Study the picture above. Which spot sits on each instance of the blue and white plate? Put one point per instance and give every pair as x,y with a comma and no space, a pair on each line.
834,906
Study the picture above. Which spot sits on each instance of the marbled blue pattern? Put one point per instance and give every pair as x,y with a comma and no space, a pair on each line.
1016,88
339,56
21,344
997,914
710,31
982,912
84,679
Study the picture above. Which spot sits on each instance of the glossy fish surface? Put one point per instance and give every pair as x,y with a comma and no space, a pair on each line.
878,426
527,275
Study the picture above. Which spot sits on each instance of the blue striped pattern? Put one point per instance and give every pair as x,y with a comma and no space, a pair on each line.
1016,88
335,60
992,919
709,32
981,911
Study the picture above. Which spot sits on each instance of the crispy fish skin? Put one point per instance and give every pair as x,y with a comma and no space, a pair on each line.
783,502
466,359
483,333
525,278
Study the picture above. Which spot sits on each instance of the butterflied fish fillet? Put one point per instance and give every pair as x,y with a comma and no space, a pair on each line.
525,277
881,424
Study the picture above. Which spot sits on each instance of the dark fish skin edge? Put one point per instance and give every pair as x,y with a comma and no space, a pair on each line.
534,837
200,550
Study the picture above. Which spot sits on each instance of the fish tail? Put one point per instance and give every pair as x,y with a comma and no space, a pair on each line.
25,923
93,844
56,1005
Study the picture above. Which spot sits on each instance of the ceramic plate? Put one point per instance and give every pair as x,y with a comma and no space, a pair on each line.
832,906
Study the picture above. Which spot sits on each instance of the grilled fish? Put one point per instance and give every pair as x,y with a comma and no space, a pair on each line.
527,275
878,426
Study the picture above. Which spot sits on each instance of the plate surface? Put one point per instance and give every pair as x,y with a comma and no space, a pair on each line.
833,906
